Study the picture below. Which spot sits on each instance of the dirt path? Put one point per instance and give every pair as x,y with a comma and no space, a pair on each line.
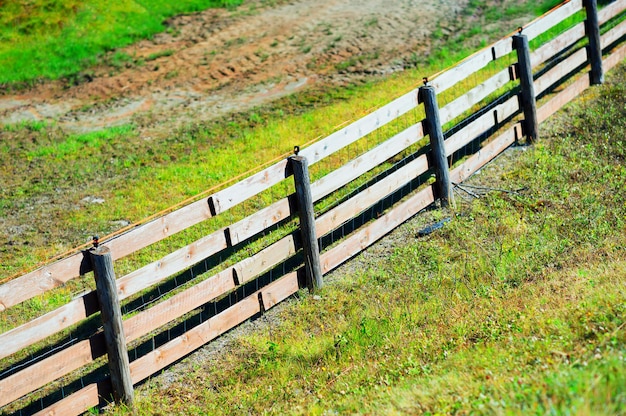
210,63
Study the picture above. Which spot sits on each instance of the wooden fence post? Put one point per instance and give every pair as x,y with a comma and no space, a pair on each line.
106,290
306,214
594,49
434,130
527,94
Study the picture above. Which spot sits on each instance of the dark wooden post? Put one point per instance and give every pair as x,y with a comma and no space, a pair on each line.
306,214
106,290
527,95
434,130
594,49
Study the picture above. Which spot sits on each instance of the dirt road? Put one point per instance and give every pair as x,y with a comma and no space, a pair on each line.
209,63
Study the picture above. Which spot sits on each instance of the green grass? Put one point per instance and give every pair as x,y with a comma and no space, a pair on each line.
53,39
138,177
516,307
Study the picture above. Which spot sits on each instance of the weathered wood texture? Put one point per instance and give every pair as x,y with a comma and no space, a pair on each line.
613,35
435,132
481,124
111,315
306,213
367,236
527,93
615,58
470,65
78,402
474,96
486,154
49,324
556,74
555,46
85,352
51,368
610,11
563,97
373,194
594,49
556,16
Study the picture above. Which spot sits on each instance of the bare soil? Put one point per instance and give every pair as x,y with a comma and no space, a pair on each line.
210,63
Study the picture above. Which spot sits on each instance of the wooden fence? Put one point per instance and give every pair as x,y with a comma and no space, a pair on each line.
87,352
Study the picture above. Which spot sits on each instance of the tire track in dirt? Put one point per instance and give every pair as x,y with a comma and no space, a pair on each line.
216,61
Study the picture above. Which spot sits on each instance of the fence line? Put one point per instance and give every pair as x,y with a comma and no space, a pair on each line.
393,180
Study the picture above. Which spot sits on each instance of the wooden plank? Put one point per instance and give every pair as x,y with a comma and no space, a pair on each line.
554,75
471,65
41,280
474,96
158,229
486,154
195,338
58,273
49,369
276,292
249,187
367,161
558,44
265,259
357,204
615,58
611,10
306,217
259,221
77,403
175,262
556,16
281,210
173,308
360,128
113,328
481,124
46,325
263,180
367,236
563,97
613,35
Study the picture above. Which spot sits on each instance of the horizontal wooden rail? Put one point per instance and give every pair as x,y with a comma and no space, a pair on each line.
83,352
363,200
79,402
555,74
563,97
271,176
486,154
471,65
193,339
49,324
373,232
56,274
324,186
613,35
481,124
610,11
51,368
474,96
555,46
552,19
615,58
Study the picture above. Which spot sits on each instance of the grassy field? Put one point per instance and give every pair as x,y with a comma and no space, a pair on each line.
52,39
128,172
518,306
